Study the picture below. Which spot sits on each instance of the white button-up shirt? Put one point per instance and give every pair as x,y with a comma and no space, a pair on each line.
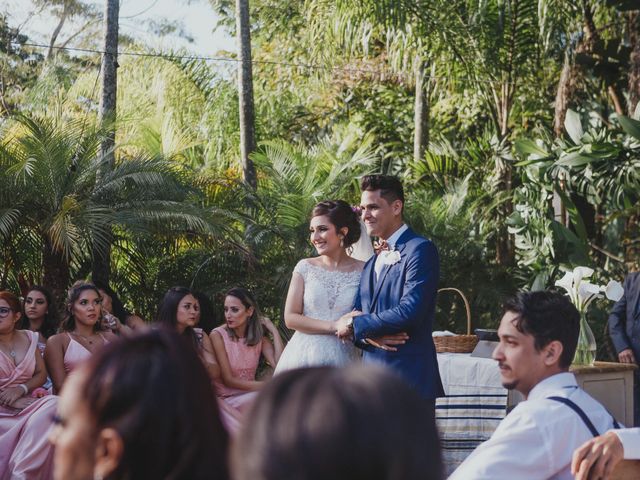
391,242
537,439
630,438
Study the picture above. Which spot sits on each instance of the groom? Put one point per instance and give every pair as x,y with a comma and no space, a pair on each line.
397,290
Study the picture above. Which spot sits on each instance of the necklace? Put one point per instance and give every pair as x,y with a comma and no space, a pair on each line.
85,337
12,351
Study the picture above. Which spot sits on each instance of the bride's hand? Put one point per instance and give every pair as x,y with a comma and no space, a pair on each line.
388,342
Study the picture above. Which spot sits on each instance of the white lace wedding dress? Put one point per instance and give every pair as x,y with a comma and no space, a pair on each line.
327,296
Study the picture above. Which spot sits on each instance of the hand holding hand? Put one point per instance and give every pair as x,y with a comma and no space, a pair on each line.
627,356
388,342
344,325
597,458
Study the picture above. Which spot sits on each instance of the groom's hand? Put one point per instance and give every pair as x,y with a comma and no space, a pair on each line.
388,342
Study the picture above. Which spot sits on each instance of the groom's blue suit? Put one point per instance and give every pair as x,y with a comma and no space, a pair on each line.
403,300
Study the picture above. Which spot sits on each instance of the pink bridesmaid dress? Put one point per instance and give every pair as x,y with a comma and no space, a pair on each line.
25,451
243,360
76,354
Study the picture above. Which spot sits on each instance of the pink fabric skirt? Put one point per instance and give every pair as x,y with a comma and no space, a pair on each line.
234,408
25,451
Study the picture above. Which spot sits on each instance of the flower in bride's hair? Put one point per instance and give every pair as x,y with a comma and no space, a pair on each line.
356,209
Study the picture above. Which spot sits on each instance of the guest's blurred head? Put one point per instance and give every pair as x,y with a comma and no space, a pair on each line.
381,203
179,310
333,225
10,311
241,312
38,306
82,307
538,337
356,423
142,407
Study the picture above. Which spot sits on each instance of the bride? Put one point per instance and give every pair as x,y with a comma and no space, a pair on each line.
324,288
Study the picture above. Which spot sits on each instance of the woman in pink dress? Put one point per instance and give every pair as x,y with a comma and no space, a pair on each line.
180,311
40,315
140,409
24,420
81,333
239,344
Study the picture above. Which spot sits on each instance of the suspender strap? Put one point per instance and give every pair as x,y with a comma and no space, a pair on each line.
579,411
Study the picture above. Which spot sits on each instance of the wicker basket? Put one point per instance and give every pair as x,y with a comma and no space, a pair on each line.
458,343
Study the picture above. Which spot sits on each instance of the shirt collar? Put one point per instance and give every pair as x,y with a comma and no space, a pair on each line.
393,239
552,384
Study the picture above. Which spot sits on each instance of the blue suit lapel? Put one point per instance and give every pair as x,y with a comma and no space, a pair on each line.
385,270
366,286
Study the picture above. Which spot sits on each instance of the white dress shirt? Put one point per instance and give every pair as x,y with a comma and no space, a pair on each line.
630,438
537,439
391,242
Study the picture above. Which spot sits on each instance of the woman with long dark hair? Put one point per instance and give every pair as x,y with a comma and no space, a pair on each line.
39,314
180,311
81,335
141,408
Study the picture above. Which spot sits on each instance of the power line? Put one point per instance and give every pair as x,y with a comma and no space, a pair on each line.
212,59
380,73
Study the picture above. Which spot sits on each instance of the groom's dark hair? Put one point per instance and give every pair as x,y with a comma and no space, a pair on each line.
390,187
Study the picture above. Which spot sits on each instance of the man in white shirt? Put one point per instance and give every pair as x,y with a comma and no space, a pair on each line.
599,456
538,336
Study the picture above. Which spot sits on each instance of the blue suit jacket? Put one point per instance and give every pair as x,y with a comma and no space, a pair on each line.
624,319
403,300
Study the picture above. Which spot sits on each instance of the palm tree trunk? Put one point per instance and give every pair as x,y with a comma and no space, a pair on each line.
56,31
634,60
101,268
421,113
245,91
56,272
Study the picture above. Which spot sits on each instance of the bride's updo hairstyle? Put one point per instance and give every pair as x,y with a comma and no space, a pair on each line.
341,215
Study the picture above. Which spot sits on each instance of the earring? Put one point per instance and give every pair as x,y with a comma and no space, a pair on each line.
341,242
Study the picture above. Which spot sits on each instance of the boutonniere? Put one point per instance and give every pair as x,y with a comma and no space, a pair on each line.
391,258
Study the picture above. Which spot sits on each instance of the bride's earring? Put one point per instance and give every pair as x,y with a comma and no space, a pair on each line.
341,242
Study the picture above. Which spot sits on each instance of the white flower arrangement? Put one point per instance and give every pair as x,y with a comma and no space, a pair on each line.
391,257
582,293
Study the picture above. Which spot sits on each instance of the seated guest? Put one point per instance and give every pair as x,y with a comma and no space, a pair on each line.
599,456
180,311
239,344
141,408
538,337
123,322
82,335
40,315
360,422
24,420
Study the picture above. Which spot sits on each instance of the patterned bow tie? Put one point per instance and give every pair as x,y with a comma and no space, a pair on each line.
380,246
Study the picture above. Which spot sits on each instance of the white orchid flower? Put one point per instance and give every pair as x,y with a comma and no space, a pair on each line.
613,290
587,292
581,272
566,282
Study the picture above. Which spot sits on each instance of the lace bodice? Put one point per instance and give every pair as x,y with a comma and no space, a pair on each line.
327,295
